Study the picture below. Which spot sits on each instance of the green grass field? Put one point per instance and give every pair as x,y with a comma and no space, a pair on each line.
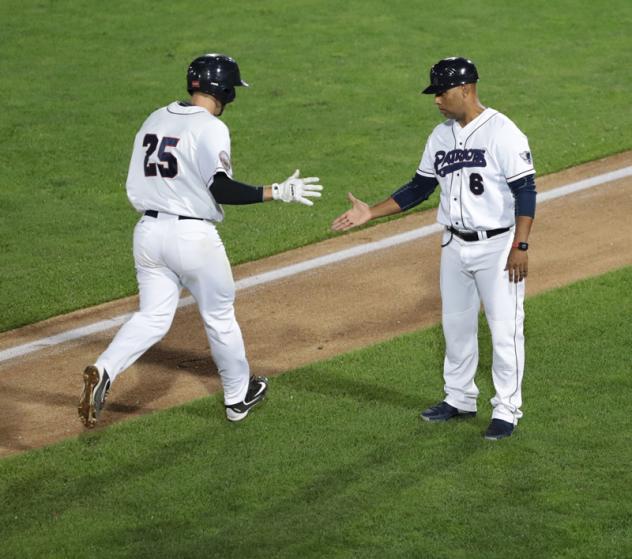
337,464
335,92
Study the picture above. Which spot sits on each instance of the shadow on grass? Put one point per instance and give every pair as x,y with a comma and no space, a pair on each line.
317,379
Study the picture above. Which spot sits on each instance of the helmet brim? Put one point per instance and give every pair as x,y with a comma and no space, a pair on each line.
434,89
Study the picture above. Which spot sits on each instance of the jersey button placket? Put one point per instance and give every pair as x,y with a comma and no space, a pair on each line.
454,202
455,206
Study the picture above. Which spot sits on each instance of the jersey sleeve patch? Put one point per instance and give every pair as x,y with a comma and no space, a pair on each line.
512,152
224,160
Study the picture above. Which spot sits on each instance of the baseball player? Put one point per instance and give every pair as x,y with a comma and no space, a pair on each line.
483,165
179,176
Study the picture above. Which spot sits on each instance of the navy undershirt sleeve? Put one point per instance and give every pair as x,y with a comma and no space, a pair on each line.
228,191
524,195
415,192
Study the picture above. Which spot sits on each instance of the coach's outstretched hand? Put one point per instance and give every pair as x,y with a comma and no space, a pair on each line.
296,189
359,214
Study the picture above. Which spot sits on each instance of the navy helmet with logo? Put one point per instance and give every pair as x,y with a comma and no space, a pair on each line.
451,72
215,74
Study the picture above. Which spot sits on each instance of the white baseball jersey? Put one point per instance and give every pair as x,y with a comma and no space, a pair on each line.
473,166
177,152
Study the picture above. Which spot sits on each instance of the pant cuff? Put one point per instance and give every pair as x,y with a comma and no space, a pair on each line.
505,416
459,405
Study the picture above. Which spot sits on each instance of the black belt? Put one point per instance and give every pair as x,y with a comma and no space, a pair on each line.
154,213
473,236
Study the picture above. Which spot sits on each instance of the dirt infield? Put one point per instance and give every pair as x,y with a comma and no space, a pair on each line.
304,318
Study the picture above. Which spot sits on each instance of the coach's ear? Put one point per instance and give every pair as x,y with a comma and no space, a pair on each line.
468,89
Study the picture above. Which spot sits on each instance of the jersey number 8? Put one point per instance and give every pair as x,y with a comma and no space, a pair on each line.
169,166
476,184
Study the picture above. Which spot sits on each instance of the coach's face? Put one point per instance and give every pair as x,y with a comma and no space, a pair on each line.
451,102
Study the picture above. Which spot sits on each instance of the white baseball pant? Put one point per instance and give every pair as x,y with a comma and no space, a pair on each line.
472,272
170,254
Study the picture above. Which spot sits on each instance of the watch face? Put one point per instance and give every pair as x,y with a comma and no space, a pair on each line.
523,246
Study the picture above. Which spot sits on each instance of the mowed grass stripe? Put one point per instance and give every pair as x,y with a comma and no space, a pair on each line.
337,463
335,91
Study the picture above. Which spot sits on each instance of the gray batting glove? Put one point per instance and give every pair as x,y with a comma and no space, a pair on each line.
296,189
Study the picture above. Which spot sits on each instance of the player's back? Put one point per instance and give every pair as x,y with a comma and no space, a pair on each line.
175,155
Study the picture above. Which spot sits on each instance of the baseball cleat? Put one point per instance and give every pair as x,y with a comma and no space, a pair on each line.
256,393
499,429
95,390
443,412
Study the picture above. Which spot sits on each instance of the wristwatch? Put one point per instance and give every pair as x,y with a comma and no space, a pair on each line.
520,246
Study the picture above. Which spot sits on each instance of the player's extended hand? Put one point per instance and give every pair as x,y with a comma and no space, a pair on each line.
296,189
517,265
359,214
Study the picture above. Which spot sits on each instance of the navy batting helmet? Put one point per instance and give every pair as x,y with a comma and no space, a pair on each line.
215,74
451,72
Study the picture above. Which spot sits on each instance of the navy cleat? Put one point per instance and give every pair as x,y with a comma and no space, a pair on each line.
444,412
256,393
95,389
499,429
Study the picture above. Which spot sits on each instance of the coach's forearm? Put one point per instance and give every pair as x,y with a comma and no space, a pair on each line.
523,228
387,207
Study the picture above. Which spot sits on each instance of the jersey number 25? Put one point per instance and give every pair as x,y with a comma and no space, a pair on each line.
168,167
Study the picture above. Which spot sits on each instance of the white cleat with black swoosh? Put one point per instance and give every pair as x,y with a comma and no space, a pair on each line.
256,393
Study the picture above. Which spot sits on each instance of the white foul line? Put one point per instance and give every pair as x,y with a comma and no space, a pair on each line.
293,269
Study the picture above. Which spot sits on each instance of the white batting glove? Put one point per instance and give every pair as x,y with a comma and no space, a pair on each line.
296,189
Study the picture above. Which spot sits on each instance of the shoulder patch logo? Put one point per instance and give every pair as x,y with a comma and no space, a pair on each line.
526,155
224,159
